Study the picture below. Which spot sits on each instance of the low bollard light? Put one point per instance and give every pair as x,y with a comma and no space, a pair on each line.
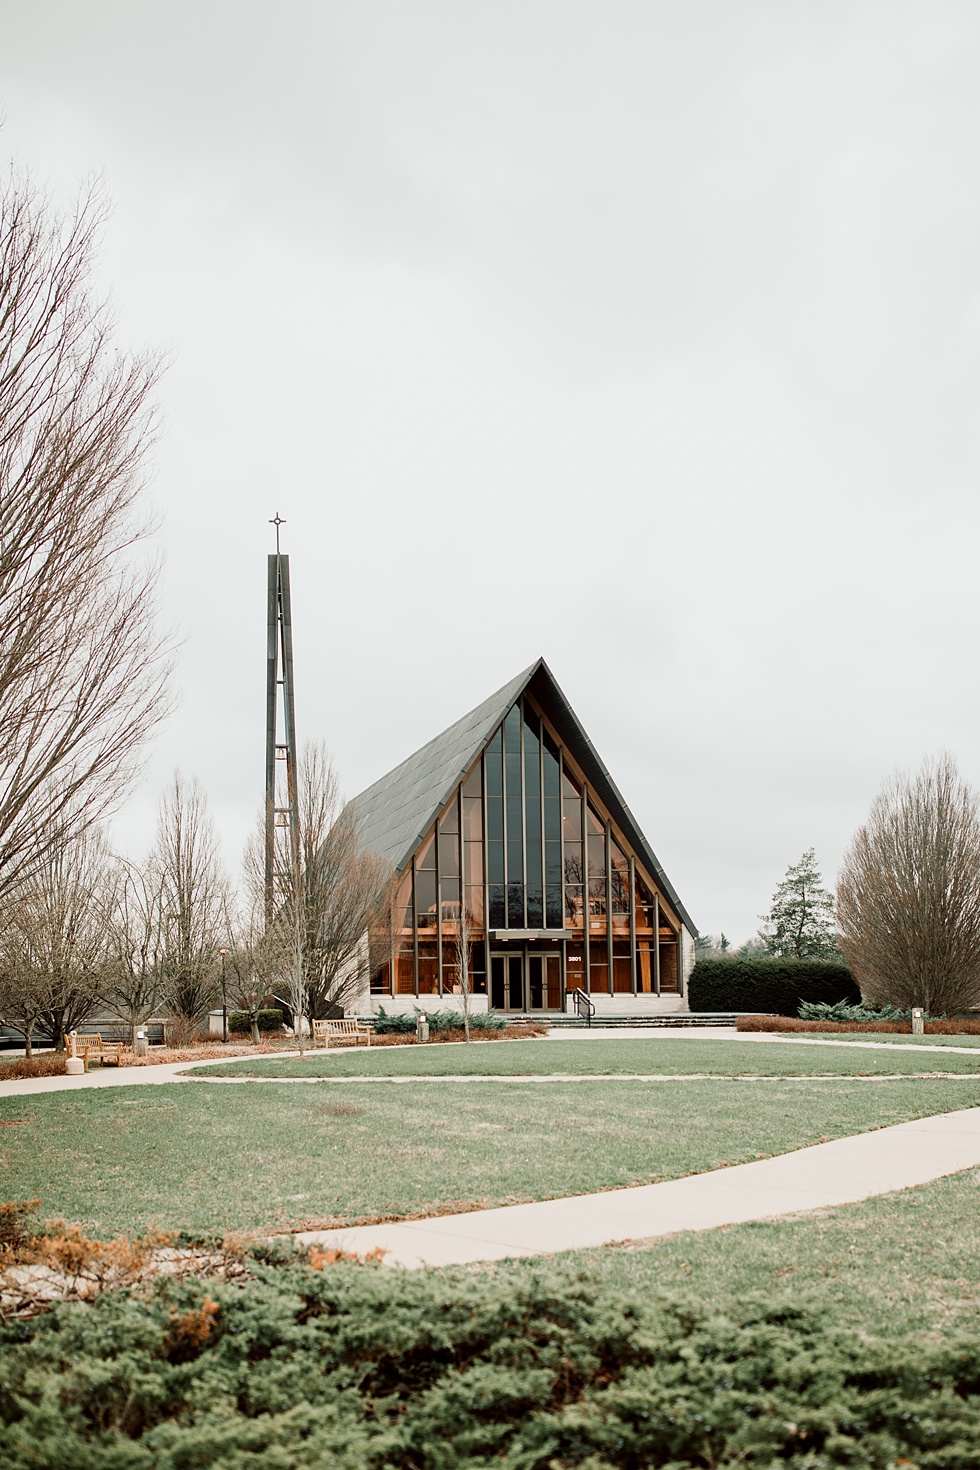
422,1027
918,1024
74,1064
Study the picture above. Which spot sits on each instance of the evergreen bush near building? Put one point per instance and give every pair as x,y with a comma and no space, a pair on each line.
404,1023
240,1023
353,1367
843,1011
776,986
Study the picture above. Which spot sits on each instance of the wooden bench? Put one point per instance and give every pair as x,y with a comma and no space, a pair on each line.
338,1033
93,1048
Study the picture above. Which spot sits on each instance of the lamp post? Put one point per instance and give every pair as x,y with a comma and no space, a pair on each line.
224,999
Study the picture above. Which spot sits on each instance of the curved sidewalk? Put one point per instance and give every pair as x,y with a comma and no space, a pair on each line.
120,1076
839,1173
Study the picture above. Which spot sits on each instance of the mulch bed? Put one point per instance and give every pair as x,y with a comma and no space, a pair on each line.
52,1064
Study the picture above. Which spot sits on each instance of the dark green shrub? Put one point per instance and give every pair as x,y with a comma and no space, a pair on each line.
239,1023
488,1021
812,1010
773,987
397,1025
448,1020
358,1367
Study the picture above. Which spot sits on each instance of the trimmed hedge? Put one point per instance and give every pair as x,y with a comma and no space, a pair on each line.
240,1024
356,1368
773,986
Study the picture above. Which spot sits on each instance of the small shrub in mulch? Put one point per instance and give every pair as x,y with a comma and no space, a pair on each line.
403,1022
887,1028
508,1033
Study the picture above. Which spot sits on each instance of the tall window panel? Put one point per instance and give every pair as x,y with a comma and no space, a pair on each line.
514,819
551,786
404,976
425,888
534,846
619,870
571,809
596,845
472,810
450,878
496,879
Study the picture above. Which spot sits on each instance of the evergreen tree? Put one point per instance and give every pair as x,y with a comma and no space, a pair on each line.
800,923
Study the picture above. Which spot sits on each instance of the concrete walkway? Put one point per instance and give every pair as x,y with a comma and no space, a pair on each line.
728,1033
171,1071
521,1077
120,1076
839,1173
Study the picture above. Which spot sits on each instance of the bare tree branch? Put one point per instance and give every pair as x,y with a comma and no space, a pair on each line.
186,865
55,945
908,896
135,977
83,673
342,898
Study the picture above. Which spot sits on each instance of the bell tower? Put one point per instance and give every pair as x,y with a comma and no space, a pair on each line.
281,808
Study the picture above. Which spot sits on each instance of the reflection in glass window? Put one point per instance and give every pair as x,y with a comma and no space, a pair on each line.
404,908
644,907
497,906
645,967
405,972
474,907
622,968
428,969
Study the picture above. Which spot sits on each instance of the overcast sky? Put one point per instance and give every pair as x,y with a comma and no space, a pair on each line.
643,336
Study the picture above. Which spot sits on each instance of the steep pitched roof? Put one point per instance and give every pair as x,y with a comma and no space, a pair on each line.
397,811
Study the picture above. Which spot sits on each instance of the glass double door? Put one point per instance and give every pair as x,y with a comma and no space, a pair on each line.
525,982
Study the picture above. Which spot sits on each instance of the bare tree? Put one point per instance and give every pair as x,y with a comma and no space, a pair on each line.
134,980
334,916
82,670
186,864
908,896
463,967
21,987
54,928
249,965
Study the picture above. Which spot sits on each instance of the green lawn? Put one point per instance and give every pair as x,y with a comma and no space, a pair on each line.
588,1058
901,1263
200,1158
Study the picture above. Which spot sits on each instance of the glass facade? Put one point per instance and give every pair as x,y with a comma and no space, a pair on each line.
525,885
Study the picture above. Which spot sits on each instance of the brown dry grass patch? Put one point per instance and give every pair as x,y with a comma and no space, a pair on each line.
882,1028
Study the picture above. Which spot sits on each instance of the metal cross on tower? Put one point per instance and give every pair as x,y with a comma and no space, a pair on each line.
281,809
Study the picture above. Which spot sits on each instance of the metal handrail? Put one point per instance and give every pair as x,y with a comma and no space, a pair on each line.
583,1006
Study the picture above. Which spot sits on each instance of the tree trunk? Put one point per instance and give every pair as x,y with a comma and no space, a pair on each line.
28,1044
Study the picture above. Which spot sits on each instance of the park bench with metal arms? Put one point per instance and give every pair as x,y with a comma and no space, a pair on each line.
337,1033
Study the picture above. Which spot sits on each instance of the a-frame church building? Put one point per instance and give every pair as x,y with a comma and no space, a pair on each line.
509,825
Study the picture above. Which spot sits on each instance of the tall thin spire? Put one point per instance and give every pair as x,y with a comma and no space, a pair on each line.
281,805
